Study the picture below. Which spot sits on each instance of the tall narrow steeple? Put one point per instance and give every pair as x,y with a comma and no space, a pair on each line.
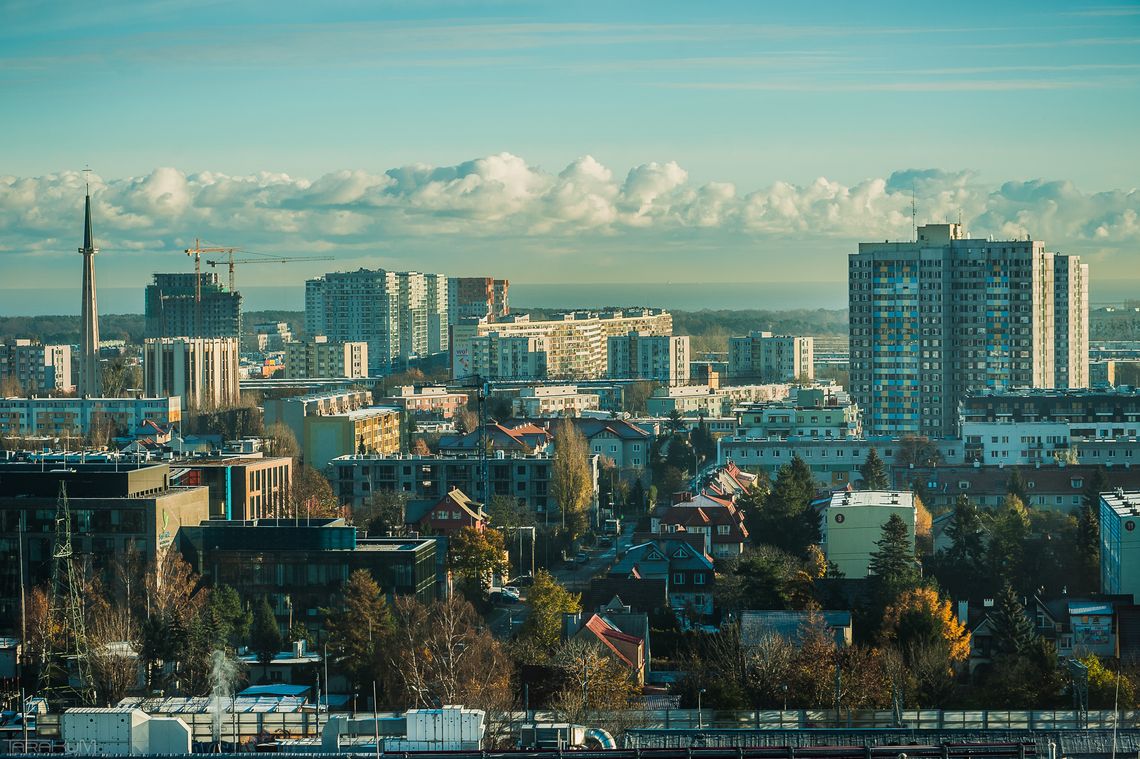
89,379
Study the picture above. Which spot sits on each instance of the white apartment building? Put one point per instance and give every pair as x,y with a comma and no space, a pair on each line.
657,358
761,357
317,357
698,400
933,318
575,345
1071,322
401,315
202,371
553,400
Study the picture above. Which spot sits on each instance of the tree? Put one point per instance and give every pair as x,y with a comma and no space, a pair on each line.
385,514
281,441
787,519
675,422
1013,633
704,445
228,622
592,681
506,513
264,634
1009,529
312,496
477,555
1108,689
961,568
1087,550
1016,486
892,567
1097,484
571,483
441,653
928,639
358,628
547,601
635,398
874,471
120,375
917,451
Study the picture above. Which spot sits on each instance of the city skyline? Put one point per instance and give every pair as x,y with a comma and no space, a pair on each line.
581,144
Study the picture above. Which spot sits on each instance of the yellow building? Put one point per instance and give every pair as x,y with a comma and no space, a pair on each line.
369,430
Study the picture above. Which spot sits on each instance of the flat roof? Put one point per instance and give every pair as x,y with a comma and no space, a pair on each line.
852,499
1126,503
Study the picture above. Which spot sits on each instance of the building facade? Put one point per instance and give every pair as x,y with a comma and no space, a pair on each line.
367,430
291,411
761,358
62,417
478,298
202,371
526,478
242,487
402,316
1071,322
430,402
317,357
37,368
575,345
851,523
656,358
934,318
553,400
1120,542
173,308
116,510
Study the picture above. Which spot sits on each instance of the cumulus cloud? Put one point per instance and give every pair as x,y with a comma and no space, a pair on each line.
355,213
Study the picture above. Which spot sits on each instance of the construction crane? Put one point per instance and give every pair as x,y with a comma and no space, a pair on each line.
231,261
197,252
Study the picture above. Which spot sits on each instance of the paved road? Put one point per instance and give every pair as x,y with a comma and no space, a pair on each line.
577,576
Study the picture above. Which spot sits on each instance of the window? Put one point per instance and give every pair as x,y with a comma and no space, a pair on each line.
699,578
678,578
722,529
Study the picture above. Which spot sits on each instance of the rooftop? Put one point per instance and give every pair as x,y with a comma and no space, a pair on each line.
846,498
1126,503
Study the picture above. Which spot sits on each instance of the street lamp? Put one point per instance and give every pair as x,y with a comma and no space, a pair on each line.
700,714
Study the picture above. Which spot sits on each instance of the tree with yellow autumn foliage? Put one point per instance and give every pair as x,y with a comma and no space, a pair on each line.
921,627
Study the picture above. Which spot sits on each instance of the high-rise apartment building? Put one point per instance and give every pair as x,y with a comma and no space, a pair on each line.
37,368
401,315
657,358
173,308
933,318
478,298
761,357
204,372
1071,321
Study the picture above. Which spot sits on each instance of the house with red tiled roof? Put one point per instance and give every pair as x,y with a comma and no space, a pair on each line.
450,514
621,634
523,438
717,520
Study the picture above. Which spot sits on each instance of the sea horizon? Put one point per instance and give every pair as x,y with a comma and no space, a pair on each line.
681,296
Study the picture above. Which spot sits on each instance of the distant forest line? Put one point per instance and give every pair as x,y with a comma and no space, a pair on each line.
710,329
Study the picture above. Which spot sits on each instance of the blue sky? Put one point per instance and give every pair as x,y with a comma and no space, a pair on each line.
529,139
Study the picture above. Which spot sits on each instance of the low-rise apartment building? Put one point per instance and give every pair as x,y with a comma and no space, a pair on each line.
852,522
703,400
526,478
367,430
318,357
811,412
427,401
553,400
292,411
74,417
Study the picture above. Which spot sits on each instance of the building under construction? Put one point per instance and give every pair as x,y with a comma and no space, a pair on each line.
173,308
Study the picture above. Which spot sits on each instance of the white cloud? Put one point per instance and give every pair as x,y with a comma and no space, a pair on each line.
502,203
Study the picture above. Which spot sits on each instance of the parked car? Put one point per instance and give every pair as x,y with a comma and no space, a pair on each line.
523,581
511,592
582,557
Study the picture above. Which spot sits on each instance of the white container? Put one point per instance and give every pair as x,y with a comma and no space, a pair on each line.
117,731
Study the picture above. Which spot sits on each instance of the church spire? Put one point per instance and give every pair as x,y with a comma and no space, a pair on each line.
89,377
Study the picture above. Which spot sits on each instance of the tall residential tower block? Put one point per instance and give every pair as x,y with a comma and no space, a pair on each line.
933,318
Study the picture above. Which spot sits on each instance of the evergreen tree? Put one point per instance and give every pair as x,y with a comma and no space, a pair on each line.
1016,486
787,519
265,635
1009,530
358,629
1013,633
1087,550
893,568
961,567
1097,484
874,472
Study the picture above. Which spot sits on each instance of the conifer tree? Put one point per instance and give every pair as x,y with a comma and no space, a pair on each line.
1013,633
874,472
893,567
